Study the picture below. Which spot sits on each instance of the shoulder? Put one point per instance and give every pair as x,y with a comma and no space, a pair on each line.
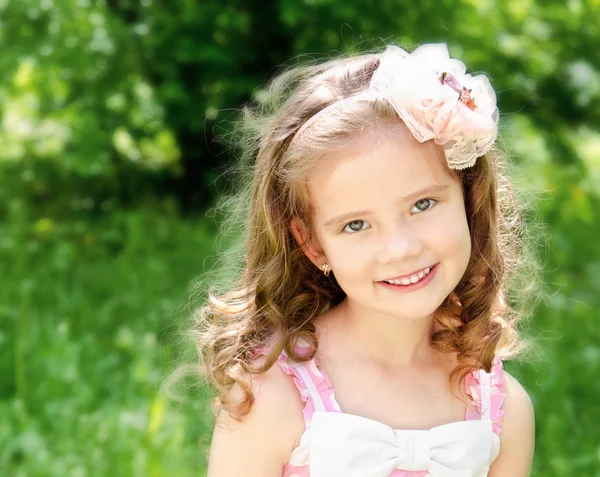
518,408
263,441
518,432
517,399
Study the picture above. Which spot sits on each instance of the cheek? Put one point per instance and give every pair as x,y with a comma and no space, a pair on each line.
456,236
348,258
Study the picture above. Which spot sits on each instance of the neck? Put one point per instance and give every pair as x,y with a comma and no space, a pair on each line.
385,340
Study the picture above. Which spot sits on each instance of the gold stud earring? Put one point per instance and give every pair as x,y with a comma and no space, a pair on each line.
326,269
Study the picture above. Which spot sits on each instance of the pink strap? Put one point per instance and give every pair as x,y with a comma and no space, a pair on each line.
487,393
314,386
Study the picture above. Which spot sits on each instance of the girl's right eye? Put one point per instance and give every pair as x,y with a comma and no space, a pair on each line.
354,226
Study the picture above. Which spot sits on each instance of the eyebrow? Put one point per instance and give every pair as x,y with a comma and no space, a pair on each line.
413,196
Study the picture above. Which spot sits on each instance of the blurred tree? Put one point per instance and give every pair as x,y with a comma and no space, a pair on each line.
124,96
203,57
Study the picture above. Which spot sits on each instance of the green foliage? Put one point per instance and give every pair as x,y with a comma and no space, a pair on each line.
109,111
88,332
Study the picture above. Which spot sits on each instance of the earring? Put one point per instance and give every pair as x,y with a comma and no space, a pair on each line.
326,269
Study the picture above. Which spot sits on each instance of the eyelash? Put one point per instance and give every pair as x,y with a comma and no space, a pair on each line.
435,201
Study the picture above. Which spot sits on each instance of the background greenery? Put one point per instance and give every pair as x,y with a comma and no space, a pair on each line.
108,164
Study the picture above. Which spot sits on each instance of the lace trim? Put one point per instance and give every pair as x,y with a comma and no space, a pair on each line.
472,388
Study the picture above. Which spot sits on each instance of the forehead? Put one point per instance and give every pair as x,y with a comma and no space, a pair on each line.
380,167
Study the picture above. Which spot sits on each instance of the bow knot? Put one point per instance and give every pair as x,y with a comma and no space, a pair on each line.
413,449
347,445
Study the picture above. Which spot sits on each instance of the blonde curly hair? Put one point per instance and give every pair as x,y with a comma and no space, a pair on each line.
272,293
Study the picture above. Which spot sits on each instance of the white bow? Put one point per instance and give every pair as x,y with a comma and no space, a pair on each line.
347,445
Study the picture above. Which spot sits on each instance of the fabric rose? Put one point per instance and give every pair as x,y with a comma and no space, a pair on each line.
436,99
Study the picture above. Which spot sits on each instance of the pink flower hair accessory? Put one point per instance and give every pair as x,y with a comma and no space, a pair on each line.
436,99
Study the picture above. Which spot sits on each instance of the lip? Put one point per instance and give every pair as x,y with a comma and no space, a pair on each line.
413,286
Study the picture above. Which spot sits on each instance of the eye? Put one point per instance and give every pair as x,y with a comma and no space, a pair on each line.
354,226
423,204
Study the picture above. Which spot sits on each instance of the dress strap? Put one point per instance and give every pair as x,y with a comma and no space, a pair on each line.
484,388
315,387
305,373
486,391
306,377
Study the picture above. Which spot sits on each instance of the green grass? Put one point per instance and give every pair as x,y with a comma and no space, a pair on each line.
89,321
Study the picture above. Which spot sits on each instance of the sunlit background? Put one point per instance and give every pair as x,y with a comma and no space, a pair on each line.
109,164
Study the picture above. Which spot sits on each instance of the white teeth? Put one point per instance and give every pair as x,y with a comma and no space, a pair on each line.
410,280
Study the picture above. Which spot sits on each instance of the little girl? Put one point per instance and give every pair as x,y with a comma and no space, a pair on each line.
364,333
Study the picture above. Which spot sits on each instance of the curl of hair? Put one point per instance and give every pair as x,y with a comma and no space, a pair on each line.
271,293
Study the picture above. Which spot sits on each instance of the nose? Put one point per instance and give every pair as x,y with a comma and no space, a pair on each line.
400,243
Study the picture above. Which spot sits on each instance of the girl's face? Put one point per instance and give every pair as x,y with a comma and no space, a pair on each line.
372,224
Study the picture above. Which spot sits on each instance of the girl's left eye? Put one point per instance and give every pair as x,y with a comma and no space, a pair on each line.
424,204
354,226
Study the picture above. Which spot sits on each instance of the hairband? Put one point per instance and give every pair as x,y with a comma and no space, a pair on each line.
436,100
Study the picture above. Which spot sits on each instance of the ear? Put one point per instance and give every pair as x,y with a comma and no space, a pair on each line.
313,251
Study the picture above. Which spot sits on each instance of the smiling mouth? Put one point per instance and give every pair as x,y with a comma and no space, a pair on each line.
412,279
